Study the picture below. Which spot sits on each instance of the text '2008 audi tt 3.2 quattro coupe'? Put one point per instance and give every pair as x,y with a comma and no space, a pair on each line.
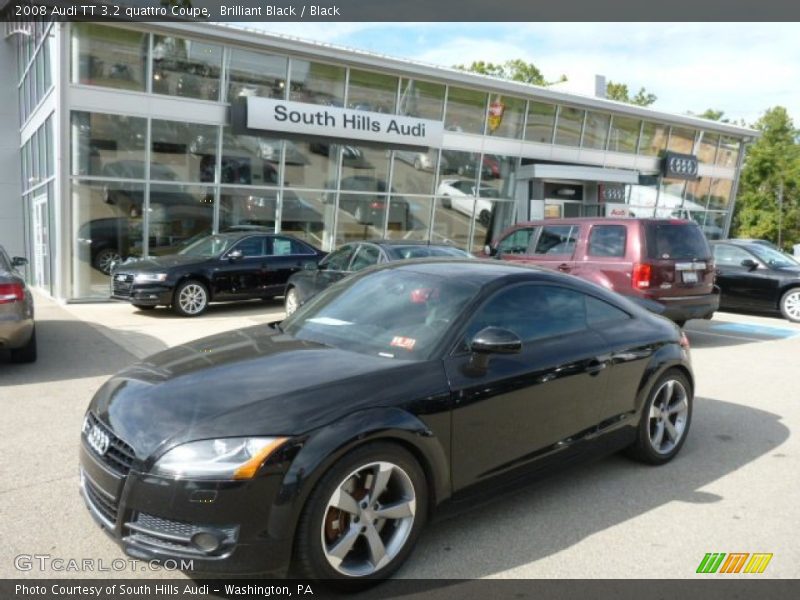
324,442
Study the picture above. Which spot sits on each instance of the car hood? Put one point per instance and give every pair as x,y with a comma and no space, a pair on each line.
158,263
253,381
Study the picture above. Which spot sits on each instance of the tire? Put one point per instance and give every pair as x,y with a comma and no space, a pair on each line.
143,306
291,301
190,298
790,305
417,164
447,203
395,537
103,260
657,448
26,354
484,217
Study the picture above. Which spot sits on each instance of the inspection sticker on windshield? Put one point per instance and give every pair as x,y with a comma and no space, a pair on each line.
403,342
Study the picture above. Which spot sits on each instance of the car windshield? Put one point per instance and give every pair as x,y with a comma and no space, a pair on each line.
393,314
213,245
773,258
406,252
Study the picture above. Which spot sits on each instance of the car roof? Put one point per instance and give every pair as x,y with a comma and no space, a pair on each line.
604,221
478,271
421,243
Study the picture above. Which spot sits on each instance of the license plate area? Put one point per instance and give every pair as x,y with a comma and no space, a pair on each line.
689,276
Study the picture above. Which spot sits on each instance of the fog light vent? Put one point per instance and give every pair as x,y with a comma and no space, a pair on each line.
206,541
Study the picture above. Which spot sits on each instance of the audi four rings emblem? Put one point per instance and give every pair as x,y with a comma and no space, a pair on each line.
613,193
683,166
98,439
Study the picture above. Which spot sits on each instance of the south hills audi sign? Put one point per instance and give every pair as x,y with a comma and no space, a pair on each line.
300,118
679,166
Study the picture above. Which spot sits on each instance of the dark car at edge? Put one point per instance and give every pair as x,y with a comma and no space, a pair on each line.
215,268
326,441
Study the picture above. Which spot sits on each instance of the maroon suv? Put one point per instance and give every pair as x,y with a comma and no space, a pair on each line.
667,261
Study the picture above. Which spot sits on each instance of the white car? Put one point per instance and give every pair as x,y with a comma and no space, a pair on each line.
461,194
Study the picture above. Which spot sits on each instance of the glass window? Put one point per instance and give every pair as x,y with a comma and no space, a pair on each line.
541,120
557,239
654,139
375,92
465,110
308,216
311,164
505,117
517,242
108,145
730,256
317,83
183,151
596,130
364,169
108,228
720,194
251,246
340,259
256,74
109,56
409,217
532,312
728,155
49,149
492,214
696,194
178,216
707,148
607,241
284,246
675,240
362,216
250,160
414,170
450,227
35,155
247,207
681,140
670,197
714,225
599,312
569,126
367,256
421,99
186,68
624,134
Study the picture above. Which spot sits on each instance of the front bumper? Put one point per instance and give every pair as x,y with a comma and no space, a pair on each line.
145,295
154,518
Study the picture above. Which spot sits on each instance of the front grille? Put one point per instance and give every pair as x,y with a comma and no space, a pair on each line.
101,503
121,284
119,456
168,534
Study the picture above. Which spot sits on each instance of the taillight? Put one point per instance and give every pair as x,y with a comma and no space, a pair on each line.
11,292
642,273
376,205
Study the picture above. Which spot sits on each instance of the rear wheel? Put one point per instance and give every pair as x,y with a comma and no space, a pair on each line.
26,354
190,299
291,302
363,518
666,417
790,305
484,217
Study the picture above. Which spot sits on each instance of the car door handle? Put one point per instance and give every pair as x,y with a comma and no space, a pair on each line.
564,268
596,366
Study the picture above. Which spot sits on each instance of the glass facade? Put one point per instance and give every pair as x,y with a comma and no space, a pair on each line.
148,185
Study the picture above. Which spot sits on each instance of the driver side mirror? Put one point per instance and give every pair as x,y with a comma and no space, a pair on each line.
234,255
19,261
749,264
488,341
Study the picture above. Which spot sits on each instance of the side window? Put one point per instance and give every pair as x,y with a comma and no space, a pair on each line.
599,312
367,256
516,242
730,256
301,248
607,240
533,312
5,263
557,239
340,259
252,246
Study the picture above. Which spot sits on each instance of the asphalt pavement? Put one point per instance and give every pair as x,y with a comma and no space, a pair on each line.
733,488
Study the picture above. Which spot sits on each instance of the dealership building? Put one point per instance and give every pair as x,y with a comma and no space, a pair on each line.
121,141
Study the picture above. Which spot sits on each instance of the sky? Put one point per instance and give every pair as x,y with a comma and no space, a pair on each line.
739,68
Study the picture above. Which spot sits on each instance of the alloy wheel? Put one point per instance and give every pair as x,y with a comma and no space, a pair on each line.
368,519
290,304
669,413
791,305
105,260
192,299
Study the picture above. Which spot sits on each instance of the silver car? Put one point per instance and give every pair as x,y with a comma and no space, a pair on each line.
17,332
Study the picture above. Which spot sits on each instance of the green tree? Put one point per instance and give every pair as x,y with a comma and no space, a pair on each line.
772,164
515,70
621,93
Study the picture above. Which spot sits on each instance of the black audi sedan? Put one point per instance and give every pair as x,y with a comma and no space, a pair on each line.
753,276
221,267
351,258
327,440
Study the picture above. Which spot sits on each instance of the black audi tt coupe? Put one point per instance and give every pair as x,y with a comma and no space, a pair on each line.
324,442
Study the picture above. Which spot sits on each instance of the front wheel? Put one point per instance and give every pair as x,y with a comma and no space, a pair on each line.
191,299
666,417
790,305
291,302
363,518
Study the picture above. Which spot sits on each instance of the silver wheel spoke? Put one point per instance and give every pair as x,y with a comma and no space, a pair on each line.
377,551
343,546
679,407
382,476
671,431
344,501
399,510
668,390
658,437
654,411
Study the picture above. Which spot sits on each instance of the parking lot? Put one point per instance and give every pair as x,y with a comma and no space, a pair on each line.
733,488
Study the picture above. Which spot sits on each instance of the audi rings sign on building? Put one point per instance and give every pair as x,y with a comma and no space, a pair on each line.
680,166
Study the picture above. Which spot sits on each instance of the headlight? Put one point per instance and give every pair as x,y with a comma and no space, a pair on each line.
227,458
149,277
